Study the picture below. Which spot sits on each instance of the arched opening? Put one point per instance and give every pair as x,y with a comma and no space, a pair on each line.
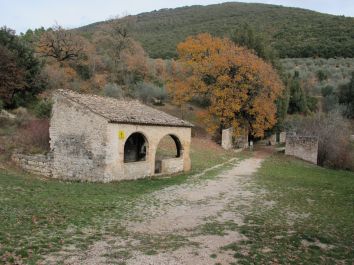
169,147
135,148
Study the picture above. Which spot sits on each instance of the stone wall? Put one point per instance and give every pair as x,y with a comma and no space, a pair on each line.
78,141
35,164
303,147
171,165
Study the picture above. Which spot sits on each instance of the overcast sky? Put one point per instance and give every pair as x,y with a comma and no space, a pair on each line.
23,14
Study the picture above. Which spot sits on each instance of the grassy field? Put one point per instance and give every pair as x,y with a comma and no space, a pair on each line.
306,216
38,216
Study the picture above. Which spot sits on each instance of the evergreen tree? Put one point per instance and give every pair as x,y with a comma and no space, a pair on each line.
25,68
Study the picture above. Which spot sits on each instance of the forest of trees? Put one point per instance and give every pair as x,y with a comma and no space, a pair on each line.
293,32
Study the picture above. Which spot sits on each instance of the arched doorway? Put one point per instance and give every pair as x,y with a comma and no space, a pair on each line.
168,147
135,148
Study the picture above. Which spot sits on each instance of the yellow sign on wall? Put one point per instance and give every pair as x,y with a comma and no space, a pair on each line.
121,135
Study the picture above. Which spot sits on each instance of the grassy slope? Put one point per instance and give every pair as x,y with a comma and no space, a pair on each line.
312,205
294,32
38,216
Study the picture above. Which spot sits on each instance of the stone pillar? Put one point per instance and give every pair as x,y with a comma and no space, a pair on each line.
282,137
226,139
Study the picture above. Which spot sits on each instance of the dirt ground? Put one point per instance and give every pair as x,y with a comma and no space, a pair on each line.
181,224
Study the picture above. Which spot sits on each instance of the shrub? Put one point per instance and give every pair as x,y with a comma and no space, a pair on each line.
321,75
327,90
333,132
149,92
43,109
34,136
83,71
113,90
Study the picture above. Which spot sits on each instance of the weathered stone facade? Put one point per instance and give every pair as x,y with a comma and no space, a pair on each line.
116,169
303,147
88,145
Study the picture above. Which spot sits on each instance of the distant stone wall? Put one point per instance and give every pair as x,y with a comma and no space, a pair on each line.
303,147
282,137
35,164
277,138
230,141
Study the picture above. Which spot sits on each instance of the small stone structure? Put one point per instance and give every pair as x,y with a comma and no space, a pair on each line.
352,138
102,139
303,147
277,138
230,141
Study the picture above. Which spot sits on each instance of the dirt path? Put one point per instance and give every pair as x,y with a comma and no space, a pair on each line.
182,224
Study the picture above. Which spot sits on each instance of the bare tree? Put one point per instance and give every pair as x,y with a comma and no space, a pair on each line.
60,44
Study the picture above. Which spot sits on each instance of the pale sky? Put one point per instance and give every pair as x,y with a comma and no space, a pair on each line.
23,14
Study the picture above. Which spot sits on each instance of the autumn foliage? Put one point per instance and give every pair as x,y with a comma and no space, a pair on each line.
240,87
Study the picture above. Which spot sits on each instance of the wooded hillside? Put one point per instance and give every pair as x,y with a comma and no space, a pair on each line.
293,32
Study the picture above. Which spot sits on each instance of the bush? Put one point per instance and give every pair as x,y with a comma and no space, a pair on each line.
83,71
43,109
148,92
34,136
327,90
113,90
333,132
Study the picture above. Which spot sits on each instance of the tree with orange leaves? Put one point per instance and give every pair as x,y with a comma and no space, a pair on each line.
241,88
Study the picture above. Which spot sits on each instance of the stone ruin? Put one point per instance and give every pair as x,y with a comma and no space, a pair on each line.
303,147
230,141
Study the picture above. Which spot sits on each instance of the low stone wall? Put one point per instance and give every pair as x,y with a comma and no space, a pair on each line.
303,147
35,164
171,165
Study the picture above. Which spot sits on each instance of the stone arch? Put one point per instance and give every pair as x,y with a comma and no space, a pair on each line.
172,149
135,148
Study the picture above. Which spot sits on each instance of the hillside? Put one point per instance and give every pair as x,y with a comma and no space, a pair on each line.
293,32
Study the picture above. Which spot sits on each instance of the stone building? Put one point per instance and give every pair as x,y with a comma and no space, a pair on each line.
95,138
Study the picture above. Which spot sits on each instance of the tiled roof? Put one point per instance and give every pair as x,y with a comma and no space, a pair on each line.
124,110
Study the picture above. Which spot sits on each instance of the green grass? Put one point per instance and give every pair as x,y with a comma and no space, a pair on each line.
311,205
38,216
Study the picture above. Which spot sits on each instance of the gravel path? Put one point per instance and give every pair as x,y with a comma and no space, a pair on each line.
181,224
